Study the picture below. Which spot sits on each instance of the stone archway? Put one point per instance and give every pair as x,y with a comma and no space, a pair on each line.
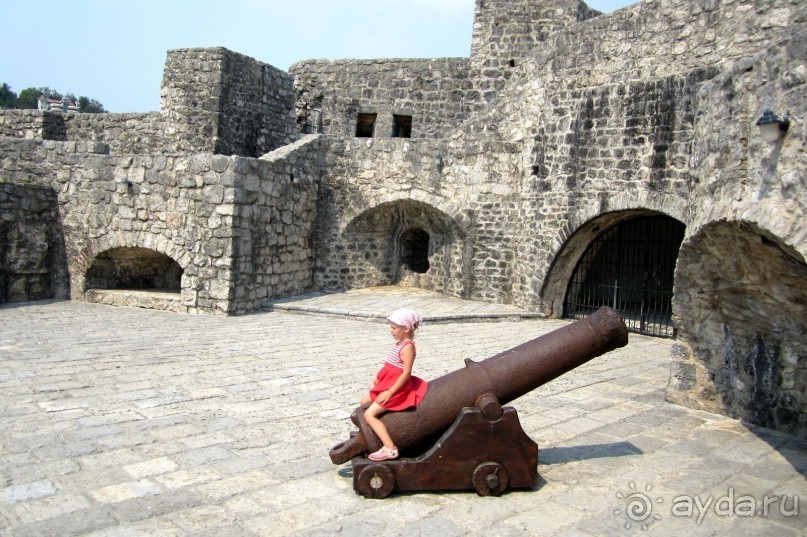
649,249
404,242
741,307
629,267
134,276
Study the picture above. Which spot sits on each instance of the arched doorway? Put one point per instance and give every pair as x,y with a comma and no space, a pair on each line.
134,268
629,267
404,242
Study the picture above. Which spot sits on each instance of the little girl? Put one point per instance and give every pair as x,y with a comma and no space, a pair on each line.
394,387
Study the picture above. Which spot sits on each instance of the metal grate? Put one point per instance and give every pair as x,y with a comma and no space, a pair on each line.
630,268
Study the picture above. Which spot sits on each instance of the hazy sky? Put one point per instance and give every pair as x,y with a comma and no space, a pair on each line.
114,50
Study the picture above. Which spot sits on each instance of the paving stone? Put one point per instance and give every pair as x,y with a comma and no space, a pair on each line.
125,491
28,491
250,407
49,507
150,467
547,518
156,505
82,522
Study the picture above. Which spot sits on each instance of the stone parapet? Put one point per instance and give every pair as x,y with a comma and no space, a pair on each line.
437,94
226,103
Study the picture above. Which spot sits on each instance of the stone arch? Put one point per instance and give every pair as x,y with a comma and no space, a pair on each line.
740,305
582,227
379,244
134,261
416,196
576,243
128,267
148,241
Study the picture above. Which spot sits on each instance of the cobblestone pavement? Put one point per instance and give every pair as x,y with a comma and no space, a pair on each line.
131,422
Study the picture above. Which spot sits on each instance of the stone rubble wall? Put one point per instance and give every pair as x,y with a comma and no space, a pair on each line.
226,103
32,263
738,347
608,123
438,94
188,207
123,133
505,33
31,124
449,192
274,224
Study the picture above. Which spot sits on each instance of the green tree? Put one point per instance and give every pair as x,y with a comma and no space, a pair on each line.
8,99
28,98
90,106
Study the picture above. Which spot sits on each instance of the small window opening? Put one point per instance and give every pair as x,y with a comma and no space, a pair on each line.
365,125
415,250
512,63
401,126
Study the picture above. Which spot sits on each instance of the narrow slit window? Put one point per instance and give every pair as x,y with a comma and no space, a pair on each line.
401,126
365,125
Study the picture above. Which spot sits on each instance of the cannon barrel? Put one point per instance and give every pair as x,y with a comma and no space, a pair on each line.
496,380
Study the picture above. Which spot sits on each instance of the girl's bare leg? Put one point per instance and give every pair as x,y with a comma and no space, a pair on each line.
378,427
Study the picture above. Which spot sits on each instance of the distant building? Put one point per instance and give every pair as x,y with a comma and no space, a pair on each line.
57,105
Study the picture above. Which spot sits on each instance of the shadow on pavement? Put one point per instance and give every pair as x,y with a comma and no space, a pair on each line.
559,455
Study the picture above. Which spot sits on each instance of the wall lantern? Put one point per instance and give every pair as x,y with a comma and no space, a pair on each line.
772,126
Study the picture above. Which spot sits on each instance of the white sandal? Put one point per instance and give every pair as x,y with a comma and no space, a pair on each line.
384,454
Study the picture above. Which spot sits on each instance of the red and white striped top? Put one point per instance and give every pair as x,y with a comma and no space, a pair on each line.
394,354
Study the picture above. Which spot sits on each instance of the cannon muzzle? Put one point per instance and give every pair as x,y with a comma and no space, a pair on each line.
492,382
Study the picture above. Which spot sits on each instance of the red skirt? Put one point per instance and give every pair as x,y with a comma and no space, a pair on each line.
408,396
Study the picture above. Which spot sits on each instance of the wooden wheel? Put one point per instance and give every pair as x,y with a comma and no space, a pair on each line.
376,481
490,479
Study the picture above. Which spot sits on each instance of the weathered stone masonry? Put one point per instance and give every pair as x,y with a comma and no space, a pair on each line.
32,264
495,177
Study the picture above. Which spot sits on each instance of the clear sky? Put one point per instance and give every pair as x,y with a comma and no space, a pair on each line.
113,51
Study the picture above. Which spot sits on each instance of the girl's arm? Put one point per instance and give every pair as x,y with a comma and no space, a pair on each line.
408,358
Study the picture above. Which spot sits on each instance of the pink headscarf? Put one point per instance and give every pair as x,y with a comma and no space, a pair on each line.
405,317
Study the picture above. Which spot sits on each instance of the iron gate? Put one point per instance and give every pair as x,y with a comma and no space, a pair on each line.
629,267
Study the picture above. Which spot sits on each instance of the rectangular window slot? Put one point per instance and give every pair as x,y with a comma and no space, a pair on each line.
401,126
365,125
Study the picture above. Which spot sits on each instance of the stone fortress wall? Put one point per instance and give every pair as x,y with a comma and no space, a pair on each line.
492,177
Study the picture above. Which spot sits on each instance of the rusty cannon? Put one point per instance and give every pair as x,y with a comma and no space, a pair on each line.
460,437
